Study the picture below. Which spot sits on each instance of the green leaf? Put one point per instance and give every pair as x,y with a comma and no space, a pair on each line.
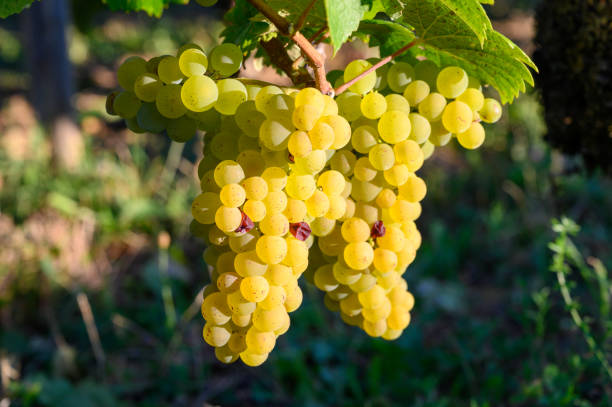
343,18
432,16
499,63
8,7
242,27
292,10
153,8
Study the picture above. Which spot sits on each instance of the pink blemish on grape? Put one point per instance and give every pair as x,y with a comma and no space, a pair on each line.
246,224
300,230
378,229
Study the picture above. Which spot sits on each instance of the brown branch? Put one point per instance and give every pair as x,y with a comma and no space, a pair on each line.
304,15
314,58
279,57
320,31
374,67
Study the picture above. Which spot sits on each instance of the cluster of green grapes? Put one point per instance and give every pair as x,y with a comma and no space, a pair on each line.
296,182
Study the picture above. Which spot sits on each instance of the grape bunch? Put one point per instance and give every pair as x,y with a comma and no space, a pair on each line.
296,182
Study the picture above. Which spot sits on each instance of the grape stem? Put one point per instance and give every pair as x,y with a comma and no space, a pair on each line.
304,15
278,54
377,65
314,58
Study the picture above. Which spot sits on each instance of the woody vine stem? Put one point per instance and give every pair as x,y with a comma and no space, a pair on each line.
315,60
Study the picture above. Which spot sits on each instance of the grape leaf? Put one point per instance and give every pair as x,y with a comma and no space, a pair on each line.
242,27
499,62
153,8
435,15
343,18
8,7
292,10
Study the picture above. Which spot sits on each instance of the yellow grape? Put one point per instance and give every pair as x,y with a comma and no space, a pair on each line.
266,320
215,309
215,335
304,117
381,156
491,111
399,76
398,102
228,172
275,177
373,105
255,188
318,204
256,210
204,207
260,342
457,117
299,144
473,98
397,175
228,219
358,255
420,128
341,128
271,249
364,171
416,91
248,264
331,182
452,81
394,126
432,106
349,105
355,230
274,224
473,137
355,68
384,260
321,136
193,62
274,134
232,195
386,198
169,71
146,87
414,189
324,278
231,94
198,93
300,186
364,138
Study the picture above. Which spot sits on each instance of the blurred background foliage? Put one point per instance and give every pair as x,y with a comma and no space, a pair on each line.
100,281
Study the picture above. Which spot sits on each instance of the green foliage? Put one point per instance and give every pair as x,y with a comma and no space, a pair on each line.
242,27
445,37
153,8
8,7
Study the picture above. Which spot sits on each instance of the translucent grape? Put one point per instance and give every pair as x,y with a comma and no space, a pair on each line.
373,105
349,105
386,198
299,144
364,138
355,230
432,106
397,102
331,182
311,163
439,136
452,81
129,70
473,98
358,255
365,191
274,224
365,84
473,137
364,171
274,134
397,175
416,91
278,107
256,210
394,126
381,157
420,128
228,172
343,161
321,136
262,96
232,93
300,186
249,119
226,59
146,87
491,111
341,128
271,249
399,76
169,71
275,177
199,93
457,117
193,62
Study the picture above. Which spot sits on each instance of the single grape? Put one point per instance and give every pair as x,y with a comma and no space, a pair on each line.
150,119
457,117
226,59
199,93
397,102
399,76
192,62
129,70
452,81
420,128
473,137
146,87
491,111
394,126
249,119
274,134
373,105
126,105
169,71
356,68
432,106
416,91
231,93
